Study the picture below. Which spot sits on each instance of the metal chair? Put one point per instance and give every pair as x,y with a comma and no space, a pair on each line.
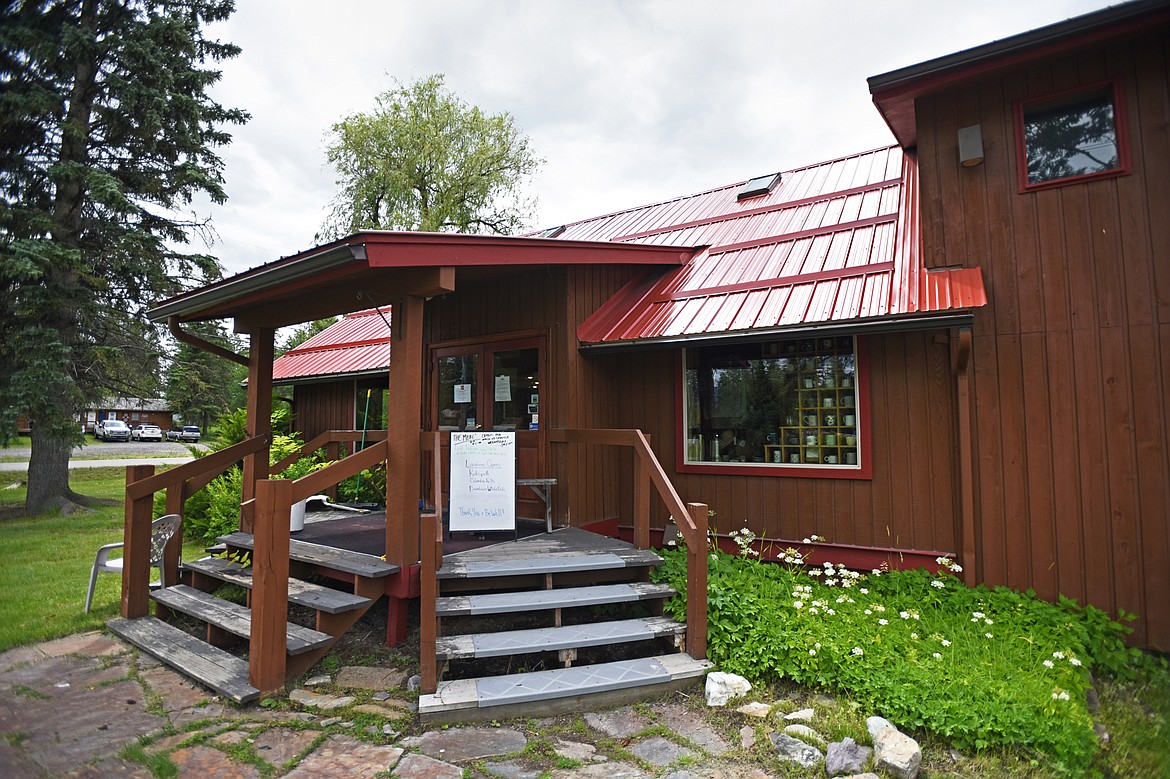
161,531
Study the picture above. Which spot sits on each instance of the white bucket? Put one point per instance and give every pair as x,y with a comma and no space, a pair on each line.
296,520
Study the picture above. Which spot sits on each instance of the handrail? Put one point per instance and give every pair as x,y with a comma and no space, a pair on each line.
323,440
691,518
214,463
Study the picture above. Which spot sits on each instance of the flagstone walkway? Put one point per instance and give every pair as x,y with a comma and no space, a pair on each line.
91,706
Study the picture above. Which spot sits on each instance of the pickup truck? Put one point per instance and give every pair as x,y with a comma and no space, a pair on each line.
111,430
188,433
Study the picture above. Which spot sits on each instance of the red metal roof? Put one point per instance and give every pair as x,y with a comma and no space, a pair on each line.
833,243
359,343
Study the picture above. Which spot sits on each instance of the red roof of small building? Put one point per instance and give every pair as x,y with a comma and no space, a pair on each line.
832,244
357,344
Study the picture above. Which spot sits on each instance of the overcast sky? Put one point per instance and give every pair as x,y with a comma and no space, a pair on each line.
628,101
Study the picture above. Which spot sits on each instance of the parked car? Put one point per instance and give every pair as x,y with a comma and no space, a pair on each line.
146,433
111,430
188,433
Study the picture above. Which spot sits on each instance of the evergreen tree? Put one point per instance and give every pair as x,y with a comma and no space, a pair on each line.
106,131
200,386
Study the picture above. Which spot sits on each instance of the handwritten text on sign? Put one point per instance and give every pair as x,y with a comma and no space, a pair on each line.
483,481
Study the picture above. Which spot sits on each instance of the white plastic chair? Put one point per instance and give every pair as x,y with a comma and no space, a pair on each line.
161,531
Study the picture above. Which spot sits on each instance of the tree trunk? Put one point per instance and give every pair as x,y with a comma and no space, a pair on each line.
48,473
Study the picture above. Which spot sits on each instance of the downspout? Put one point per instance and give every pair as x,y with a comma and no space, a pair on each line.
193,340
966,456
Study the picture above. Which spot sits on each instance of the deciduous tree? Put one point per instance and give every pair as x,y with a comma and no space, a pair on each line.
426,160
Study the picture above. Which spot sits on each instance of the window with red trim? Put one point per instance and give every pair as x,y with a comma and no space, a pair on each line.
1070,137
779,404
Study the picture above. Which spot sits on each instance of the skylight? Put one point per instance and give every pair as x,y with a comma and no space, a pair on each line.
760,185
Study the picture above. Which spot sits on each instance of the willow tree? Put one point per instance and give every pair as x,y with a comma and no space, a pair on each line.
426,160
106,133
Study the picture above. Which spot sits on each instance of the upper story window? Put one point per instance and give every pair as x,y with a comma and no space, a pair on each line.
792,406
1070,137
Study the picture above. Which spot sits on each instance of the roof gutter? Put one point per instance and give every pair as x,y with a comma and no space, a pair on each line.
901,324
193,340
240,286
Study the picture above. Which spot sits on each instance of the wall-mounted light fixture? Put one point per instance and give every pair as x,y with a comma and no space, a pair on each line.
971,145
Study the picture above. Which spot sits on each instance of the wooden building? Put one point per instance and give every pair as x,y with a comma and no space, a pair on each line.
955,346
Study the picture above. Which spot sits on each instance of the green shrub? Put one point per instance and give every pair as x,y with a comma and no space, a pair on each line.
982,667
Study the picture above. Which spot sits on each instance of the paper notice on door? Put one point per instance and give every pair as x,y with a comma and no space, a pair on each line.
462,393
503,388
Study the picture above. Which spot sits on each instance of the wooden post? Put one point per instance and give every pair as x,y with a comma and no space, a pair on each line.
404,456
266,653
428,591
136,552
697,584
641,501
173,552
966,457
259,422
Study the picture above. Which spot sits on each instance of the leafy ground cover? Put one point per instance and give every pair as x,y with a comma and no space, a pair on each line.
47,561
983,669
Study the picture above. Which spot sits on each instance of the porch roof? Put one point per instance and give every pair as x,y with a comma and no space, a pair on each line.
377,267
357,345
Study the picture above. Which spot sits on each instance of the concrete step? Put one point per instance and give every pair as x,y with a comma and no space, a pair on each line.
330,557
537,600
215,668
552,639
302,593
234,618
459,567
544,693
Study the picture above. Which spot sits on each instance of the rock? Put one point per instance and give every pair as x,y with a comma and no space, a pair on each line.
319,700
796,751
381,695
804,732
575,750
755,709
659,751
896,754
722,687
846,757
316,681
461,744
875,724
1102,733
747,737
364,677
414,683
803,714
618,723
692,725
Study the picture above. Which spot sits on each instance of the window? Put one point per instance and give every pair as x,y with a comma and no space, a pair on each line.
778,404
1070,136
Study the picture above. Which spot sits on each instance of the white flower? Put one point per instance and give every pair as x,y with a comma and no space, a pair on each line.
864,591
978,614
814,610
1058,655
814,572
944,642
798,604
812,652
937,655
876,571
883,622
988,635
857,651
1060,695
1049,664
869,611
956,568
914,636
830,612
937,584
878,607
904,614
1074,661
988,622
830,582
806,541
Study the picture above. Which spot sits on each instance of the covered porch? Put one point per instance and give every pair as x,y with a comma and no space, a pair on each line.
399,272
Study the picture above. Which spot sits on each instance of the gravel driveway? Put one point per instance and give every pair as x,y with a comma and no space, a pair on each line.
113,449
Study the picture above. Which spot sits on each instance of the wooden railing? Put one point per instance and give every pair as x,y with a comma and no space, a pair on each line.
269,511
690,518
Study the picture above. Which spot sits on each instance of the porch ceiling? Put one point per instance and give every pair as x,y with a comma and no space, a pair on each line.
376,267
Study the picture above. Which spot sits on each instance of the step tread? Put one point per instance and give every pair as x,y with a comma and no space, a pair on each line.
234,618
551,639
461,568
492,691
535,600
302,593
344,560
212,667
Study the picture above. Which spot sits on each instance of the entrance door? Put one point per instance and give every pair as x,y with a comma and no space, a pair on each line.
494,386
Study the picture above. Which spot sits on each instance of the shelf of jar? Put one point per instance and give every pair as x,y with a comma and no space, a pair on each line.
816,454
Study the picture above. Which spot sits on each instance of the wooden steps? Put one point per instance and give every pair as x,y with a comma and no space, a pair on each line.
302,593
343,560
215,668
513,642
570,598
233,618
560,690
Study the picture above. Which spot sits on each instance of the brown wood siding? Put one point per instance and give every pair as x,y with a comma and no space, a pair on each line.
1072,357
909,503
318,408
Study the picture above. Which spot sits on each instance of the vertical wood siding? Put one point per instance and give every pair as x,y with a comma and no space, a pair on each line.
321,407
1072,357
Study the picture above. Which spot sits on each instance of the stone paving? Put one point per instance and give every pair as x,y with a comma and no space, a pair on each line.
91,706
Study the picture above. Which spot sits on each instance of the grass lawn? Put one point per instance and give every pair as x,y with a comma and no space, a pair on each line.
48,559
